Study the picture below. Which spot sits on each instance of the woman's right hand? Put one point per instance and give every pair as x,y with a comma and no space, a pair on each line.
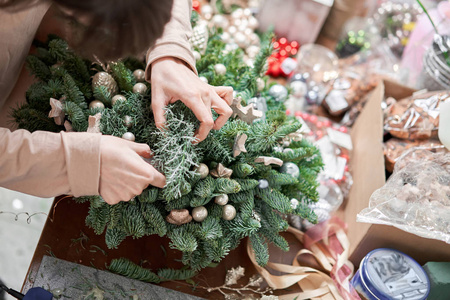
123,172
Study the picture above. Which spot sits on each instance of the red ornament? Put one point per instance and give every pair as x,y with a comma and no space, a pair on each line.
327,123
196,5
319,134
288,112
343,129
313,118
298,114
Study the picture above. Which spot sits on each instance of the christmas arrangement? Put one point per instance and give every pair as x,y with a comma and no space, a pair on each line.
240,182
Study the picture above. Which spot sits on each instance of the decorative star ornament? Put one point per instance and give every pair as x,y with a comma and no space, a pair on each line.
236,106
221,172
269,160
239,144
57,112
250,114
94,123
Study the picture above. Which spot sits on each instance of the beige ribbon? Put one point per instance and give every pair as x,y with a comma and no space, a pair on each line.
314,284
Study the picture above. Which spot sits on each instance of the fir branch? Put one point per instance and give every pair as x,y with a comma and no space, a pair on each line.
217,249
72,92
210,229
242,170
247,184
242,227
275,199
113,237
125,267
98,218
203,189
76,115
38,68
182,240
133,221
58,49
242,197
171,274
149,195
227,186
101,93
260,249
123,76
153,217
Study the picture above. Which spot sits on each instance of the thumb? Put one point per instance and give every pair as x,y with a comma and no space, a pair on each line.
142,150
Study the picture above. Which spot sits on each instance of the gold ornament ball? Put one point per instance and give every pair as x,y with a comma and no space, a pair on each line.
221,199
96,104
119,98
127,121
229,212
202,170
220,69
139,74
199,213
140,88
128,136
106,80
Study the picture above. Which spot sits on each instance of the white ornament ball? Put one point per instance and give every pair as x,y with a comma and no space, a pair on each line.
232,30
204,79
96,104
119,98
279,92
237,22
140,88
291,169
252,51
220,21
197,55
199,213
202,170
254,39
228,212
241,40
220,69
299,88
260,84
221,199
243,27
247,12
127,121
206,10
253,23
237,14
226,37
129,136
294,203
139,74
248,33
263,184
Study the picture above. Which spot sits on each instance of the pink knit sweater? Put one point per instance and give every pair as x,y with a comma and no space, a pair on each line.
49,164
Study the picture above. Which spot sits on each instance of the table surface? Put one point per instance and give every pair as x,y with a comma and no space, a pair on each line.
66,224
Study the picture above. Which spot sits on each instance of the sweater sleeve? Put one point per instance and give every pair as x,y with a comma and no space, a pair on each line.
49,164
175,39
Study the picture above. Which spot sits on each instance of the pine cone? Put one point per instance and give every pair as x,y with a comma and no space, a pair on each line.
106,80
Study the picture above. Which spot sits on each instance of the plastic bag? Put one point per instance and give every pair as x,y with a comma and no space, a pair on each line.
416,198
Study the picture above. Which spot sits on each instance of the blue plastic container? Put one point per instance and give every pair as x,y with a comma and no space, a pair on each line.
387,274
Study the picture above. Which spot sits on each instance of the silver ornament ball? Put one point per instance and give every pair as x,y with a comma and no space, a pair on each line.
204,79
140,88
202,170
139,74
220,69
221,199
279,92
206,10
127,121
96,104
199,213
129,136
299,88
232,30
291,169
294,203
119,98
228,212
263,184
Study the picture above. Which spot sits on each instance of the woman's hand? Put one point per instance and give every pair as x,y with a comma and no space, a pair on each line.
172,80
123,172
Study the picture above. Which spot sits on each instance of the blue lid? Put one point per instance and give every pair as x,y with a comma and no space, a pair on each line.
390,274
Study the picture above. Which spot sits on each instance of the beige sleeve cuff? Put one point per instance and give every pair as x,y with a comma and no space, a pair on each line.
47,164
82,153
175,39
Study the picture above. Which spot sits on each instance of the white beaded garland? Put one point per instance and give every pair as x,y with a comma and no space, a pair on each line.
228,212
221,199
220,69
139,74
140,88
129,136
119,98
96,104
199,213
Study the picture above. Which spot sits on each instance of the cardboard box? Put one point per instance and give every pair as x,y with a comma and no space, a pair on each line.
367,166
296,20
